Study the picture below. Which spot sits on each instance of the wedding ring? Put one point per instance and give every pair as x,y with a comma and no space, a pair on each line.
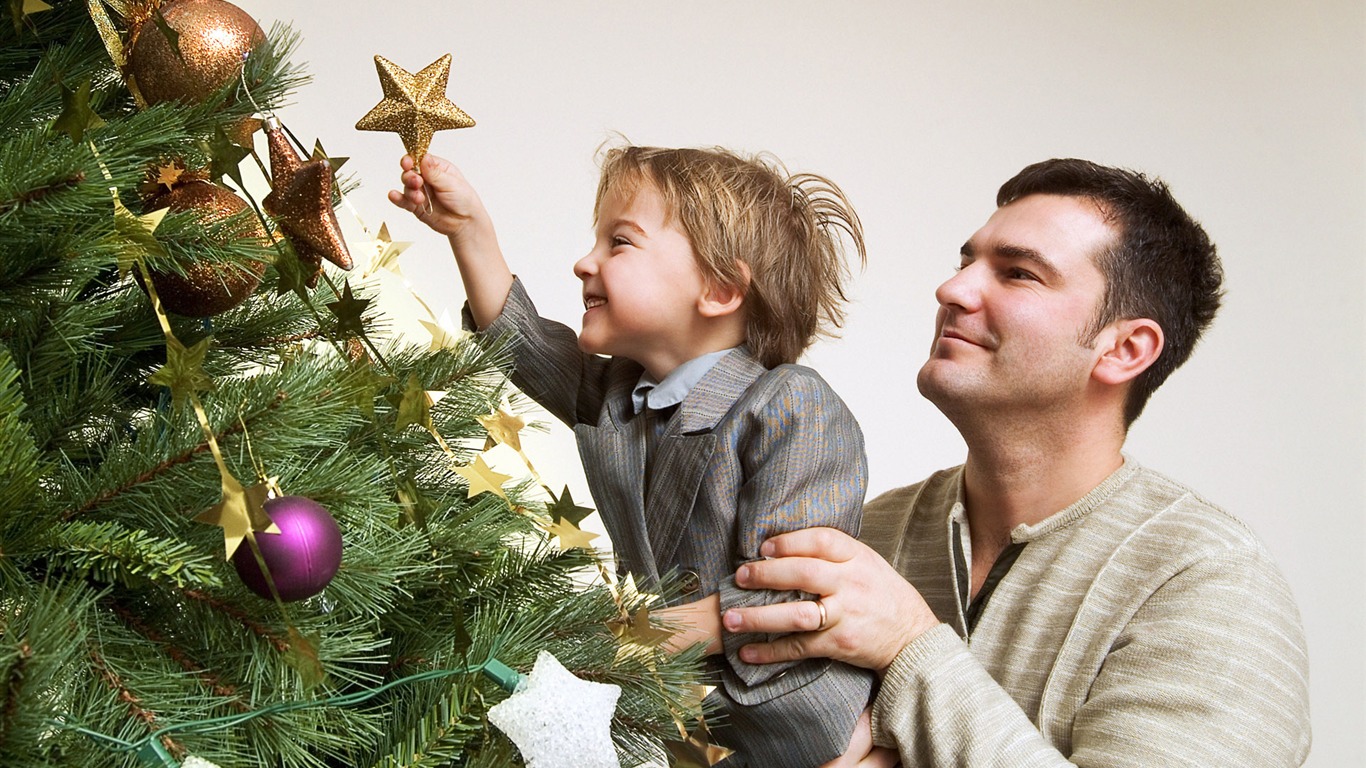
820,606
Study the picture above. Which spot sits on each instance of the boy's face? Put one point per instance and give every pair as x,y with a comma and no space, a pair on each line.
641,284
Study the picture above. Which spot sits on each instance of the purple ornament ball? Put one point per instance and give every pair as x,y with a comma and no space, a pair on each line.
302,558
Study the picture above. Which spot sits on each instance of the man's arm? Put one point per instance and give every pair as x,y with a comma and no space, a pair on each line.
1183,684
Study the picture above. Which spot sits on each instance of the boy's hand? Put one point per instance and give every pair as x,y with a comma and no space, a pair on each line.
439,197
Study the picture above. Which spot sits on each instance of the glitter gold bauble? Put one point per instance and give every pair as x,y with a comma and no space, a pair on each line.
214,38
208,289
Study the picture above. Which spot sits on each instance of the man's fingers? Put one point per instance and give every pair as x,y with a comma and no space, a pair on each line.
822,543
790,648
806,574
796,616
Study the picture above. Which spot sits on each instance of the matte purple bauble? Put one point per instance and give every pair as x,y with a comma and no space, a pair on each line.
302,558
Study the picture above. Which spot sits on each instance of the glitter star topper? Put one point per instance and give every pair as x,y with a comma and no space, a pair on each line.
414,105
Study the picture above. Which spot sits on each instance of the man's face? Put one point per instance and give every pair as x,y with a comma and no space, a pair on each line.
1009,333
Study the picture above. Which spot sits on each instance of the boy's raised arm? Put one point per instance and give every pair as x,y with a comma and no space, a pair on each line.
441,198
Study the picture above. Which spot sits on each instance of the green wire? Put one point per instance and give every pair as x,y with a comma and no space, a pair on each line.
152,752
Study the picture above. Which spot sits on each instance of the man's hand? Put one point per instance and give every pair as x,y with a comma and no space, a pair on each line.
861,752
870,614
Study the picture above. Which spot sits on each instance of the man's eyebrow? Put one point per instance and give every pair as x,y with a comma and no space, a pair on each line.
1021,253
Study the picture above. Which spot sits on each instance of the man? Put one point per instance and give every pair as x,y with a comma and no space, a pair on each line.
1051,602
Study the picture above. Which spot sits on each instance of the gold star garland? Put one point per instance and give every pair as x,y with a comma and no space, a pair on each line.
238,513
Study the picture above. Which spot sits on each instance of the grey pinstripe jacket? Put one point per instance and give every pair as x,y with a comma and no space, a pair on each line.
750,453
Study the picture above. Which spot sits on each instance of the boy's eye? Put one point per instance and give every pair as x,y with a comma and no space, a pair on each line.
619,240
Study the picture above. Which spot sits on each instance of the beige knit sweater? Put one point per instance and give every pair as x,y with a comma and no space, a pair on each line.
1141,626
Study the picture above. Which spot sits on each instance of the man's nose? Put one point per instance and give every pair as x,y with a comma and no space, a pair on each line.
963,290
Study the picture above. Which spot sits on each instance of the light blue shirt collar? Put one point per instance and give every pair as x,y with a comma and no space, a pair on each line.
649,393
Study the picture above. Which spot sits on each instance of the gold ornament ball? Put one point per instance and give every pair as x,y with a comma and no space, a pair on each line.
214,37
208,289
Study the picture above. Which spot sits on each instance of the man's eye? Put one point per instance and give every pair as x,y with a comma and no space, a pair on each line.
1019,274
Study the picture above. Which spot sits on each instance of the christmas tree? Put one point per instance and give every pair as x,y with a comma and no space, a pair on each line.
237,523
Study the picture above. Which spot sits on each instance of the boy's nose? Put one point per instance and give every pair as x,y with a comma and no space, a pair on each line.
586,267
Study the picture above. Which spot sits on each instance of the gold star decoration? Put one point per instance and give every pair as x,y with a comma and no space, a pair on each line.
414,106
349,310
384,252
168,173
137,233
22,9
183,372
442,338
239,512
695,750
415,405
300,199
564,508
368,383
636,628
505,428
483,479
77,117
321,154
570,536
225,156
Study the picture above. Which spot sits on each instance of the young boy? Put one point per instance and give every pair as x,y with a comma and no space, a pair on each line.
710,274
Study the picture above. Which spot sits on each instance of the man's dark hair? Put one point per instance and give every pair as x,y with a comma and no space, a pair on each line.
1162,265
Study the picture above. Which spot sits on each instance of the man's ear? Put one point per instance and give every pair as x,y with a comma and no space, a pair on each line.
721,299
1127,348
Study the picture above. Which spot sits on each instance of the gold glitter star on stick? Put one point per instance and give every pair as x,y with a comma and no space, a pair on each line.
414,106
482,478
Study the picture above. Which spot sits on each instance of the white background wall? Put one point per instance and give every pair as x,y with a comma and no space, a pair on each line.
1253,111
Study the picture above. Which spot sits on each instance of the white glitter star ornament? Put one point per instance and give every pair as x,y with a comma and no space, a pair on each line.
559,721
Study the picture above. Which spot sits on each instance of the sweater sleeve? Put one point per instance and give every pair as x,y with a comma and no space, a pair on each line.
1210,670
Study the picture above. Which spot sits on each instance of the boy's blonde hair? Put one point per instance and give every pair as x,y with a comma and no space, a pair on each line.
787,229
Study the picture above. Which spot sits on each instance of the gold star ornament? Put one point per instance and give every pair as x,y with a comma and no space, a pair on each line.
300,199
239,513
414,105
483,479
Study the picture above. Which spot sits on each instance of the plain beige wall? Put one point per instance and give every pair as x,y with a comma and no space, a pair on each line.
1253,111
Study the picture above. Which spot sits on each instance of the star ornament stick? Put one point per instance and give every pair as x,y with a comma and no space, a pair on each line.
414,105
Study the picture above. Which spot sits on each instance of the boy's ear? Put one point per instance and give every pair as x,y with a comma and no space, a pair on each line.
720,299
1127,348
